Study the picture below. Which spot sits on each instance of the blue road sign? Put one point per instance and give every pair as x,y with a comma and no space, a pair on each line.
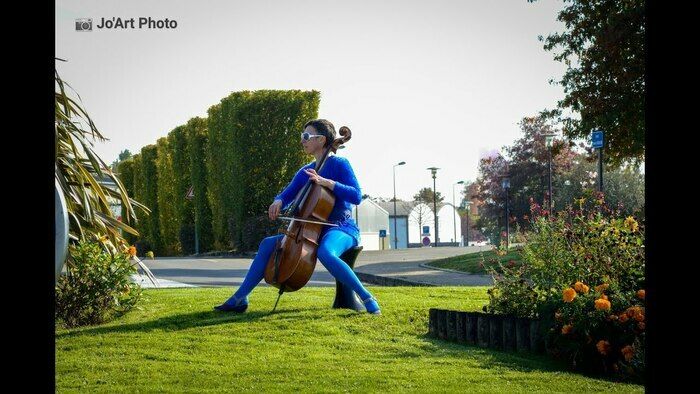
597,139
382,233
426,229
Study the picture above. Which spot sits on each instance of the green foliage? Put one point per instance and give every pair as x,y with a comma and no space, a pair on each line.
139,193
573,174
147,188
623,186
603,48
125,171
513,294
197,144
180,166
168,219
96,287
79,172
426,196
253,153
584,251
593,244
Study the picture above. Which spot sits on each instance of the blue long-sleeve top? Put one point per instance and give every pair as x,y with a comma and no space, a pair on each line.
346,190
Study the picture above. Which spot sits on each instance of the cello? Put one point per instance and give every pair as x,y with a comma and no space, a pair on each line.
294,258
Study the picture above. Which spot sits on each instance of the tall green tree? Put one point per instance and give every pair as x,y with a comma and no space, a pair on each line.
426,196
123,155
604,52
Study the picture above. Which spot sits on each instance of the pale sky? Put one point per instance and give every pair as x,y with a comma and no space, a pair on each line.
432,83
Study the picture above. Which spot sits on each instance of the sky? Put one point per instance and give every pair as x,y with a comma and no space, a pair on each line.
436,83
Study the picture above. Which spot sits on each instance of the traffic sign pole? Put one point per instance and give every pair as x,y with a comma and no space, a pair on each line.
597,141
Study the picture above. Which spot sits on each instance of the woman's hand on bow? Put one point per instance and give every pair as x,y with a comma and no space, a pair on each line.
274,210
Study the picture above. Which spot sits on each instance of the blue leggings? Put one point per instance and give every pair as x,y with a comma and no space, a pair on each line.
333,244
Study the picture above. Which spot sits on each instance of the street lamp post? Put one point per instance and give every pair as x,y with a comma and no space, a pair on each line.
549,141
433,170
506,185
454,207
395,235
467,204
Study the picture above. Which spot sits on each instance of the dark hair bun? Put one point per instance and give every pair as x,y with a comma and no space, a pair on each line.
323,127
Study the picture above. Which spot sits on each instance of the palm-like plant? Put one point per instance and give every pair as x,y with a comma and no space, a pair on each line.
79,171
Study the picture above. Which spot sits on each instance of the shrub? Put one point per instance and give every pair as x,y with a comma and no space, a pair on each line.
583,268
96,287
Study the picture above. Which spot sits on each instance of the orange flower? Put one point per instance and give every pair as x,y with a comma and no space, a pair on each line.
628,352
603,296
567,329
635,312
603,347
569,294
641,325
641,294
623,317
602,288
602,304
132,251
581,288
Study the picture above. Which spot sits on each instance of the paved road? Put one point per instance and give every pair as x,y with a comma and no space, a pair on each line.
401,264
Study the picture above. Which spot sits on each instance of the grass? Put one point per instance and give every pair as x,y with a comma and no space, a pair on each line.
471,262
175,342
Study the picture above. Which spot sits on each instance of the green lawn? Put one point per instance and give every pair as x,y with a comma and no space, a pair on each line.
471,262
175,342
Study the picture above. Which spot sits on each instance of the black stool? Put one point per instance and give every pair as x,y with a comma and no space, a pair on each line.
345,297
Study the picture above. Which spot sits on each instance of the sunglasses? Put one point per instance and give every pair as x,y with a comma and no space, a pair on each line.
305,136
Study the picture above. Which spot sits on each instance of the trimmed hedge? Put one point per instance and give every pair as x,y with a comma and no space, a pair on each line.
197,143
147,192
253,153
125,170
236,161
167,206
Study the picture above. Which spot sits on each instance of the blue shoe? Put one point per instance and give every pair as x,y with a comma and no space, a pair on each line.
233,304
372,306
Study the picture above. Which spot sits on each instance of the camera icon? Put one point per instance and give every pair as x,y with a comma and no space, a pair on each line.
84,24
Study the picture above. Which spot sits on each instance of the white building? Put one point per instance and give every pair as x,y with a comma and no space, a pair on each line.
372,220
449,225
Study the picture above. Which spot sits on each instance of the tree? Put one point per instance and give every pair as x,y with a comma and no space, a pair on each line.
526,163
425,195
603,49
421,214
624,186
123,155
80,173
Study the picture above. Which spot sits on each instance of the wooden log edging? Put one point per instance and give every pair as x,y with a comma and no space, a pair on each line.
498,332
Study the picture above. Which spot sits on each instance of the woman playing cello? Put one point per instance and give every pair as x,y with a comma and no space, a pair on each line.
336,175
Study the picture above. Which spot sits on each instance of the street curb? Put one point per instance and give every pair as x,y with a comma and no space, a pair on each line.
386,281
